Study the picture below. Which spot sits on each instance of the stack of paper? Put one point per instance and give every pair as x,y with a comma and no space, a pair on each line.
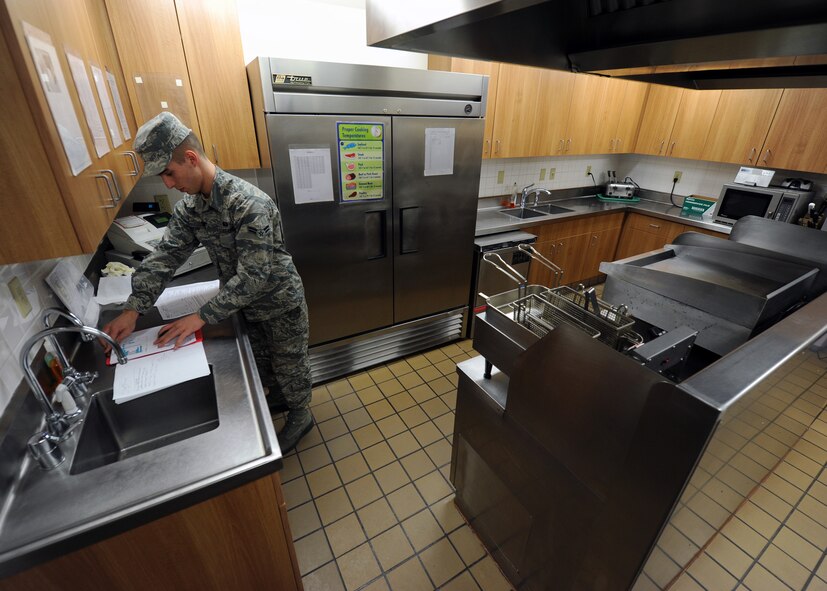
150,368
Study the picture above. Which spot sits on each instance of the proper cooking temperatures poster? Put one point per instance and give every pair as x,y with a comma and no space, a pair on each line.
361,161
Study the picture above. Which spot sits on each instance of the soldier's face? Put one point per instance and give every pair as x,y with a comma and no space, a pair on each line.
184,176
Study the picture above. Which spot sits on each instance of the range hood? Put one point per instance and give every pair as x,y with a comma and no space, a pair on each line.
701,44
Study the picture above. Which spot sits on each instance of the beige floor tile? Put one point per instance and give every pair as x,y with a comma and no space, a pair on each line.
413,416
685,582
793,475
439,452
314,458
810,530
391,477
454,378
326,578
405,443
378,455
401,401
417,464
319,395
323,480
391,387
339,388
348,402
784,567
357,419
410,380
771,504
333,428
819,492
441,561
446,367
409,576
292,468
358,567
325,411
435,356
344,535
376,517
445,424
450,398
422,529
296,492
426,433
489,577
400,368
391,548
467,345
433,487
342,446
467,544
435,407
452,350
447,514
312,551
803,463
377,585
418,361
743,536
710,574
730,556
367,436
441,386
464,582
760,579
381,374
363,491
421,393
334,505
352,467
446,474
428,373
380,410
390,426
360,381
370,395
758,519
313,437
303,520
406,501
813,508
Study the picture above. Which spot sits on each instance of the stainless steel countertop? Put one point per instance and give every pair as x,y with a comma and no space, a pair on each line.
491,221
48,513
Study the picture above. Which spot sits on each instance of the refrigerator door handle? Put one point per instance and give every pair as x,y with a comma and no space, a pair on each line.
408,226
375,235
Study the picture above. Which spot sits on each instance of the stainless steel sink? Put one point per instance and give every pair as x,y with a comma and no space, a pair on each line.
113,432
549,209
522,213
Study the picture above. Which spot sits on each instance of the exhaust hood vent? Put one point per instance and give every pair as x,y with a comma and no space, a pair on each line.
702,44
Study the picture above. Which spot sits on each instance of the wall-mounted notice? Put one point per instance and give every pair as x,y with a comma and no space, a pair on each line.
50,73
87,101
361,161
103,95
116,96
439,151
311,171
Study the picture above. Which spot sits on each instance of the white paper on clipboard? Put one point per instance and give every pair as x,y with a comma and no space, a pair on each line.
439,151
116,96
75,291
103,95
87,101
312,175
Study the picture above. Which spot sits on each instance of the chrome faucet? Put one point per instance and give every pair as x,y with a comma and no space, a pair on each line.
536,192
44,446
75,380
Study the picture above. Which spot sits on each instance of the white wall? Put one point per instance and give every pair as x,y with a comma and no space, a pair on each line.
324,30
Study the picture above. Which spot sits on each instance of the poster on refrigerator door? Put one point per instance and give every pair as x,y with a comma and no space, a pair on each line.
361,161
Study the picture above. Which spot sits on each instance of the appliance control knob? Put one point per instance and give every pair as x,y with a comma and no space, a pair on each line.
468,109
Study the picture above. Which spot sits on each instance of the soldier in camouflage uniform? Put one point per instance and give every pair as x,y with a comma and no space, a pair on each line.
240,227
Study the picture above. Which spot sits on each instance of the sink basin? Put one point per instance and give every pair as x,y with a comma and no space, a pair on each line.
522,213
113,432
548,208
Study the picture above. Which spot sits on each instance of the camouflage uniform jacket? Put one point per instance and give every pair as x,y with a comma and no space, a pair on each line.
240,227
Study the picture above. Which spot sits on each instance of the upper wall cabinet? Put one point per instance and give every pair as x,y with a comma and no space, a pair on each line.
64,129
551,120
492,70
518,91
796,137
676,121
658,119
185,56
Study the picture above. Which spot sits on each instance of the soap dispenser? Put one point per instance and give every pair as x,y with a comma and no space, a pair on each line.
515,196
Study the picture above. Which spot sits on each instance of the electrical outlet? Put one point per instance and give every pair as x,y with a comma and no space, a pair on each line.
500,177
678,175
588,170
551,173
542,174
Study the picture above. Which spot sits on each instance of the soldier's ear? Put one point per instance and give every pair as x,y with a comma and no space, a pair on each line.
192,157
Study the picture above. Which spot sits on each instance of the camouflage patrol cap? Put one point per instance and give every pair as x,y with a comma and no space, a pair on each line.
157,138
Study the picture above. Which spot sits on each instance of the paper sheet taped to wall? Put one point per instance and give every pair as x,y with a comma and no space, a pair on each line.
312,176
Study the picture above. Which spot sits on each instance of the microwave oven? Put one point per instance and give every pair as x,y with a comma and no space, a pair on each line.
775,203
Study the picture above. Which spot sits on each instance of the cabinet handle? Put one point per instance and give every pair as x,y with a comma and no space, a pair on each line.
215,153
568,145
611,145
657,227
109,188
661,146
617,143
497,147
672,149
115,183
594,239
751,152
136,168
767,155
487,149
562,146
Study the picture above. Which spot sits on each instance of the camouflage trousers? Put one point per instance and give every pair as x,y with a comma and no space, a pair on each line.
280,349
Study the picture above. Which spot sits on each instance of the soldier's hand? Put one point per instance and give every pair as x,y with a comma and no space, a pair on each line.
120,328
179,330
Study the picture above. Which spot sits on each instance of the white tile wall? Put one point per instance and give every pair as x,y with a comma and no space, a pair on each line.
570,172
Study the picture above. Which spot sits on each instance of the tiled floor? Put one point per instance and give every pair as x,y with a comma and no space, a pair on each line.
371,507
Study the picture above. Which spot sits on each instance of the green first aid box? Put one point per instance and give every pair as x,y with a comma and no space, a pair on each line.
695,207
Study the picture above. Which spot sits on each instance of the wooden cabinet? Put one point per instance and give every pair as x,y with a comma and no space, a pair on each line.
601,247
642,233
518,90
796,137
186,57
238,540
628,121
740,125
550,135
676,122
492,70
51,211
605,115
658,119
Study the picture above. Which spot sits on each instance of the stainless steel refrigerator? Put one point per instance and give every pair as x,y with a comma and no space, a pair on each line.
376,174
